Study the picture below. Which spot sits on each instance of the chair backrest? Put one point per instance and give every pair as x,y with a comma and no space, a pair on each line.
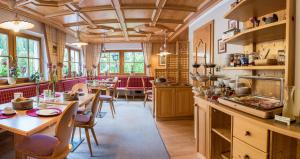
128,81
95,105
64,128
80,86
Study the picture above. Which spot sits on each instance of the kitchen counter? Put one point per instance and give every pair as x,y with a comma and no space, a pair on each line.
172,102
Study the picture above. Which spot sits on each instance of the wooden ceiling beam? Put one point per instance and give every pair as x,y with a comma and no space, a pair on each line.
208,4
75,9
121,18
156,13
59,13
180,8
132,20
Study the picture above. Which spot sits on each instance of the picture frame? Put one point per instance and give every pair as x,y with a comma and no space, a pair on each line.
233,24
162,60
222,46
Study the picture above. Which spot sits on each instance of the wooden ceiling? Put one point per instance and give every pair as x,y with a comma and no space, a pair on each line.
120,20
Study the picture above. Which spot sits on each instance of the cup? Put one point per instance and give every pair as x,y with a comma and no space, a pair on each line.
8,110
47,93
18,95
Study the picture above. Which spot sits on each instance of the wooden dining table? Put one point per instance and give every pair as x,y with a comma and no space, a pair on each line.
22,125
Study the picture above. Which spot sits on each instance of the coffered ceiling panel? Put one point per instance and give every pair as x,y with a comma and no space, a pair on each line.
92,3
131,20
110,14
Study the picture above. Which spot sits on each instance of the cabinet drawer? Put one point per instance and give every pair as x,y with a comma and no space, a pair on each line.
250,133
242,150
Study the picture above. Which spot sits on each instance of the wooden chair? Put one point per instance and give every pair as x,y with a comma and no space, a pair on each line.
124,89
48,147
80,87
147,92
87,121
109,99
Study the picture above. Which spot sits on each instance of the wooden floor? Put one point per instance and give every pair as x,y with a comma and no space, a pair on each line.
125,137
178,137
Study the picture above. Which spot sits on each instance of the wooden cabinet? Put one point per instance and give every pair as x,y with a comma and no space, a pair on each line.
165,100
183,102
251,134
242,150
202,123
173,102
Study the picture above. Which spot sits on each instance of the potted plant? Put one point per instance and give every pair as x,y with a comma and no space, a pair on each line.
12,72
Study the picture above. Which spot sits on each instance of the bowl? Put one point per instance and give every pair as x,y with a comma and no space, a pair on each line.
202,78
22,103
232,85
241,91
227,81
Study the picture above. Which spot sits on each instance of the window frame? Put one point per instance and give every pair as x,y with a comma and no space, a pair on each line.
29,37
70,61
122,62
120,70
10,48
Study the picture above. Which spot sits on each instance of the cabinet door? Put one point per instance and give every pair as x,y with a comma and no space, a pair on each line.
184,102
165,98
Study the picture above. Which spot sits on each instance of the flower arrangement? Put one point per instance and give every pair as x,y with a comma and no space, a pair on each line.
53,78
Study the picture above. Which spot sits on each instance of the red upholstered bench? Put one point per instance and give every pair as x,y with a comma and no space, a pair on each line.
135,82
7,94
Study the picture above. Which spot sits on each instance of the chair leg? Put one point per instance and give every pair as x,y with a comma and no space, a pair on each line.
73,133
94,135
118,94
145,99
80,133
126,95
88,140
111,109
113,106
100,107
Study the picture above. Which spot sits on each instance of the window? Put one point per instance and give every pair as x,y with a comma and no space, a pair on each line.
134,62
4,55
66,67
71,62
75,61
28,56
110,62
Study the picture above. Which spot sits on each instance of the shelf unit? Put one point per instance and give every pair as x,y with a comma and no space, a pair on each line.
272,67
223,132
281,30
267,32
254,8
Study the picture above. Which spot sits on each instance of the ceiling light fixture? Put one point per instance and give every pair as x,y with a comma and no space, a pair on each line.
16,25
78,43
163,49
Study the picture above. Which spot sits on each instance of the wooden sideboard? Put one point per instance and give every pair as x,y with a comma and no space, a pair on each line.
172,102
222,132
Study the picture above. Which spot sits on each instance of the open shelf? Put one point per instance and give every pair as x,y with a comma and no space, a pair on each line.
272,67
263,33
225,155
224,133
254,8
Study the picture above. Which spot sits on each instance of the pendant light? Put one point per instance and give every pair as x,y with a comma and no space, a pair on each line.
16,24
78,43
103,49
163,49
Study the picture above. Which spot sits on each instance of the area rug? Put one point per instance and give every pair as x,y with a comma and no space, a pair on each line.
132,134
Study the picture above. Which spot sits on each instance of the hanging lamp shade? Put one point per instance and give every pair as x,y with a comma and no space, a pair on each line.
16,24
163,49
78,43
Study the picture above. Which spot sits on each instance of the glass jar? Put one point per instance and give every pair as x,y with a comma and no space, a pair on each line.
288,103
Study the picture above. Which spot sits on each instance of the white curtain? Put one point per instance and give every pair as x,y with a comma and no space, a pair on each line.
61,41
92,56
147,49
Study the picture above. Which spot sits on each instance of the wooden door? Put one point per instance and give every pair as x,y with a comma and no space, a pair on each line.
165,98
202,129
184,102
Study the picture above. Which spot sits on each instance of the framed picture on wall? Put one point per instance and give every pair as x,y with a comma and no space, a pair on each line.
162,60
222,48
233,24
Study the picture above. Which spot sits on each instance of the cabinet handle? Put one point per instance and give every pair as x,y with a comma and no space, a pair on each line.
247,133
196,105
246,157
